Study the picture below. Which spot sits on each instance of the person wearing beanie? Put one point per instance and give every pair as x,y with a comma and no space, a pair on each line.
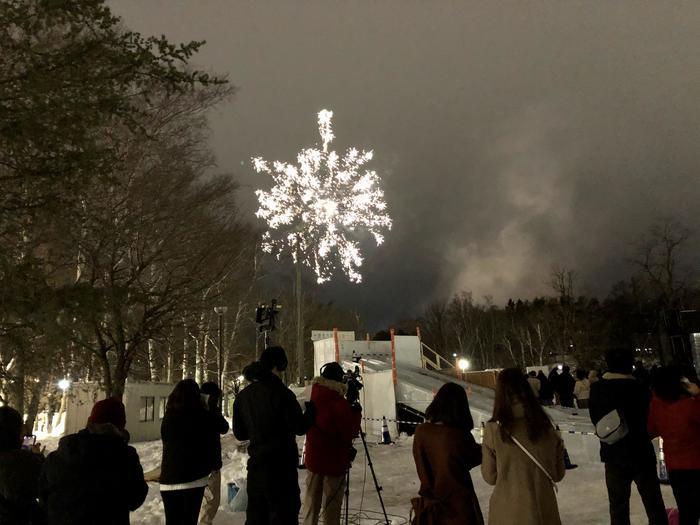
266,413
212,492
19,474
94,476
632,457
329,446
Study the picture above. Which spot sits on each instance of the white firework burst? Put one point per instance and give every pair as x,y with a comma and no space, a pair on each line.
317,208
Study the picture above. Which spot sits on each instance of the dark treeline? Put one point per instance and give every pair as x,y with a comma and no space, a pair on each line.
568,326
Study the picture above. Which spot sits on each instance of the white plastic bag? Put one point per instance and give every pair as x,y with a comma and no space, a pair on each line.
239,503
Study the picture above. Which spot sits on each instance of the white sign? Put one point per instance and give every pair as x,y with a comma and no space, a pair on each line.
320,335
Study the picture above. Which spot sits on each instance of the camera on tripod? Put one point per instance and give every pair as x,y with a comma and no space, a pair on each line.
353,380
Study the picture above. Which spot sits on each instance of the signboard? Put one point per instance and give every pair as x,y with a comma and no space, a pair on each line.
320,335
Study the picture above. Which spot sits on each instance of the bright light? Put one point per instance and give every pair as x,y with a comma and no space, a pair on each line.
560,368
64,384
241,379
316,207
454,355
463,364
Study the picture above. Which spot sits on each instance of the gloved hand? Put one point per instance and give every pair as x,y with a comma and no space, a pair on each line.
309,413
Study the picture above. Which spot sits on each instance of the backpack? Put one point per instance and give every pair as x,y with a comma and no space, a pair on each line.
611,428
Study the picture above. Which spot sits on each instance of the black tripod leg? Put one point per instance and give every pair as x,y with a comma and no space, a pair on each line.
374,477
347,496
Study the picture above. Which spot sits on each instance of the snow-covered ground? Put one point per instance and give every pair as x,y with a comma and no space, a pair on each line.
582,495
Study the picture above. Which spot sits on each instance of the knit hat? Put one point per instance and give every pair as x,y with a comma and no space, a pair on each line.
109,410
274,357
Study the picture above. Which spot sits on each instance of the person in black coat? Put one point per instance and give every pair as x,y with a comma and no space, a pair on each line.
190,435
19,474
632,458
546,392
212,493
267,414
565,387
94,476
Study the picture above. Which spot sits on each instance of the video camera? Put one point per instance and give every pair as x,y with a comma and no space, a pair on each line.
353,380
265,315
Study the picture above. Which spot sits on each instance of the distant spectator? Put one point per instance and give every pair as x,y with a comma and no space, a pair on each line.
445,451
641,374
593,376
582,389
675,416
19,474
524,492
190,441
534,383
212,493
94,476
553,379
565,387
632,457
546,391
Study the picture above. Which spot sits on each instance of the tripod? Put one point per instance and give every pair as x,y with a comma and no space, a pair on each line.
377,487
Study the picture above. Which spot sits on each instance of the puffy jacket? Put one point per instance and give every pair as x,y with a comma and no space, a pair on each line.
678,423
19,488
631,399
329,440
267,414
191,443
93,477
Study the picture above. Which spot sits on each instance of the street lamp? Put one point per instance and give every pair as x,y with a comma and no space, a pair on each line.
463,364
64,384
220,311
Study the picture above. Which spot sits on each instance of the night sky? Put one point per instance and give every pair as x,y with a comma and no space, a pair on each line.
511,136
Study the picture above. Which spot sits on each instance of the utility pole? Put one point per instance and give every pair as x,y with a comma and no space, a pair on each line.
221,311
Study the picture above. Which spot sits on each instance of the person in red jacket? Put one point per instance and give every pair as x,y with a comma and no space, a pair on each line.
675,416
329,446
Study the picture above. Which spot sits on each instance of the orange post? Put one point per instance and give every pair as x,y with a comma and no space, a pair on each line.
394,374
337,345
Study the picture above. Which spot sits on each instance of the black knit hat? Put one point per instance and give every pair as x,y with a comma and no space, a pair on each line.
274,357
332,371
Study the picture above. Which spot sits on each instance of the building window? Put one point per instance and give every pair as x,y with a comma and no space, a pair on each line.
161,407
146,412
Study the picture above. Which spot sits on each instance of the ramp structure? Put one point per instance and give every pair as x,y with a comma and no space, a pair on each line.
406,373
401,372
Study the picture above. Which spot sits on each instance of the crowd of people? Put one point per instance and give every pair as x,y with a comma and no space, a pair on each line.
523,456
95,476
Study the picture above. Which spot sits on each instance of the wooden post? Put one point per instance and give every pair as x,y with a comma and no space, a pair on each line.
394,374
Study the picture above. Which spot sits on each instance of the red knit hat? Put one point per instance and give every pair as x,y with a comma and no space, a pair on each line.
109,410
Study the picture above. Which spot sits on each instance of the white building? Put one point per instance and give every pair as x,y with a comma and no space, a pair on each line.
144,402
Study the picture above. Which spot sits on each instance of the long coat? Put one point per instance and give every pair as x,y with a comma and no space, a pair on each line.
523,495
444,455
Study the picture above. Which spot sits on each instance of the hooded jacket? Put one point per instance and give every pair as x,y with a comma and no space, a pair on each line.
329,440
19,488
625,394
93,477
267,414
